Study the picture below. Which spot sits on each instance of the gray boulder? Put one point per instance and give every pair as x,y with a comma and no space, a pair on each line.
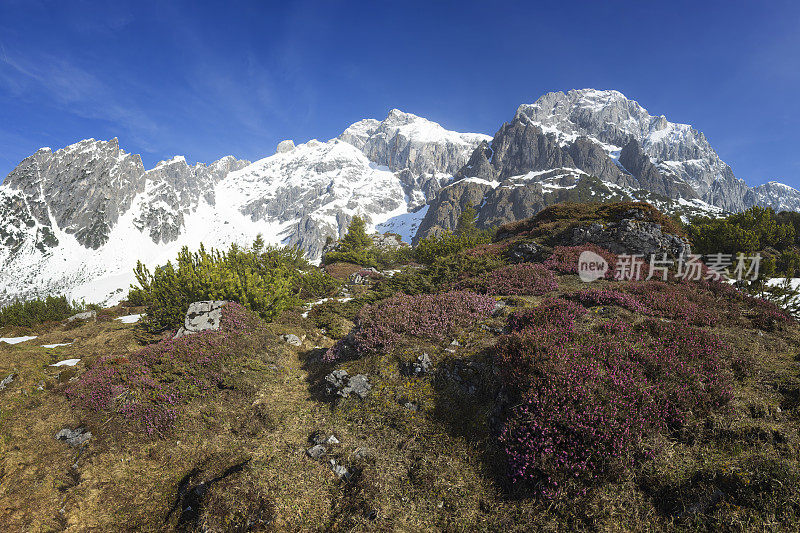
631,236
316,451
292,339
6,381
342,384
202,316
421,365
88,315
74,437
524,252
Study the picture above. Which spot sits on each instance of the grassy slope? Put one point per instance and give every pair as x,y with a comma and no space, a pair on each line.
435,468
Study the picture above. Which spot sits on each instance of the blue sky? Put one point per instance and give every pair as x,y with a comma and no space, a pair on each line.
210,79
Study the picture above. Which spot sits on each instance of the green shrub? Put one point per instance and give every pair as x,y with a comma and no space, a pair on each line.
429,249
439,276
315,283
755,229
356,247
266,280
32,312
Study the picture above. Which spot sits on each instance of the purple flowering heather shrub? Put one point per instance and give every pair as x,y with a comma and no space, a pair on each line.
513,280
686,302
555,312
590,297
436,317
151,387
564,259
586,399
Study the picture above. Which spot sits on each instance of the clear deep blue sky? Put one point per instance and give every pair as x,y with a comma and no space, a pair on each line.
237,77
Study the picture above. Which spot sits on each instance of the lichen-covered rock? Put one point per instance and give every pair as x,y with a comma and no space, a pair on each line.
202,316
292,339
74,437
631,236
342,384
87,315
421,365
524,252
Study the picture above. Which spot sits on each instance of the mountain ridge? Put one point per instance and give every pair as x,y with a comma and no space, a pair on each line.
75,218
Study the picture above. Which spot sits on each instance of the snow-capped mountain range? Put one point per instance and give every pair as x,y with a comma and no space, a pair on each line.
76,220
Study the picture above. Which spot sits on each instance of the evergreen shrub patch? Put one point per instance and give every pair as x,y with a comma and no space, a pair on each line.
266,280
32,312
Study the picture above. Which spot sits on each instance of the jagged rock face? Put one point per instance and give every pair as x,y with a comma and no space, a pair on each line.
612,119
423,153
776,195
314,191
404,140
173,190
85,187
638,163
76,220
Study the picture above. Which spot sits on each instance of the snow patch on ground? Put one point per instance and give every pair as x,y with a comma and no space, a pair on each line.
405,225
16,340
49,346
67,362
129,319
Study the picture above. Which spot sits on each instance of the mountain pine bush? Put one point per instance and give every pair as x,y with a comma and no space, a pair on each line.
266,280
32,312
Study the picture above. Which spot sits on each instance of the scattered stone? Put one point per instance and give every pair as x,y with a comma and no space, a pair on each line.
294,340
341,384
420,366
366,454
364,276
74,437
332,440
358,385
87,315
202,316
453,346
337,379
499,306
317,451
390,241
524,252
6,381
340,471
